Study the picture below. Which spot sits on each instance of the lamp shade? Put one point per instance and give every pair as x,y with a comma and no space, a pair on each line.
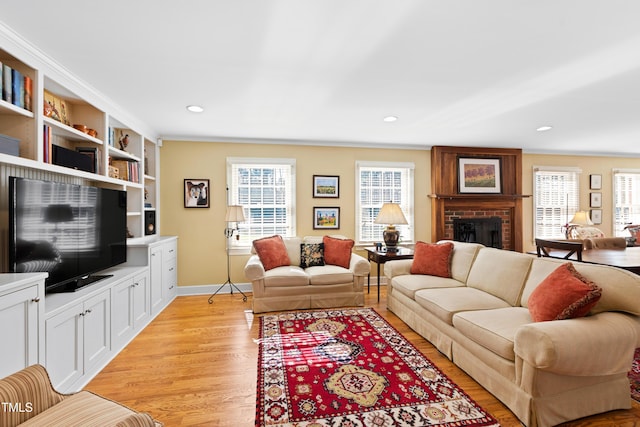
390,214
581,218
235,213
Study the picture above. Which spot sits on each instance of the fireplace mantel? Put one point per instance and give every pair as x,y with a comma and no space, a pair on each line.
447,202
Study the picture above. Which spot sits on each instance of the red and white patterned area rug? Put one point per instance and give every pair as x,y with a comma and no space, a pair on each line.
634,376
350,367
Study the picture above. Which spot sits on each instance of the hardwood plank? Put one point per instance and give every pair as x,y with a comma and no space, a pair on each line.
195,365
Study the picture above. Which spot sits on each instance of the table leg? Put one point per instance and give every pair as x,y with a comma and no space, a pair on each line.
378,264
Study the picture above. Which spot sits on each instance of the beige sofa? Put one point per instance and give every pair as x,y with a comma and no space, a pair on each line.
28,399
545,372
292,287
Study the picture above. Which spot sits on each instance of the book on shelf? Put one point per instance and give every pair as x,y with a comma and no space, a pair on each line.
17,90
128,170
1,81
47,141
7,84
28,93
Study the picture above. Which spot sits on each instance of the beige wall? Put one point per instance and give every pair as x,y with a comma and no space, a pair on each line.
202,258
589,165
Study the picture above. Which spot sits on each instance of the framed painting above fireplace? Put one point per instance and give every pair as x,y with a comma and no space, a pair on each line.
479,175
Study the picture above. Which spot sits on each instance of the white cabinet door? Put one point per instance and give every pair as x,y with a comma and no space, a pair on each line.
78,339
156,280
97,329
19,330
64,333
141,299
122,313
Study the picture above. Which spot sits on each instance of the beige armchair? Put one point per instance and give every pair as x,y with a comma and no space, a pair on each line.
31,400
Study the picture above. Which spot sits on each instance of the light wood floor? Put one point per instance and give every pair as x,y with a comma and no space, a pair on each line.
195,365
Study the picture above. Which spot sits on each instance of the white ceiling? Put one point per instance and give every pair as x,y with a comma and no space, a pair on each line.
455,72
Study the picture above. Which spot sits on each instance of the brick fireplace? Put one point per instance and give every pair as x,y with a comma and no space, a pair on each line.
449,205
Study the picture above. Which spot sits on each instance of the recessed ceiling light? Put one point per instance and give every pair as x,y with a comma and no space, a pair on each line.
195,108
390,119
544,128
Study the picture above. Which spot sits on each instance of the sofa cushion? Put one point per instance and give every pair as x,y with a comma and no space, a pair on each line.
82,409
408,284
288,275
329,275
432,259
462,259
272,252
311,254
337,251
493,329
501,273
445,302
563,294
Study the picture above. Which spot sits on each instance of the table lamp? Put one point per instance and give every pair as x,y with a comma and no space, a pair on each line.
579,219
390,214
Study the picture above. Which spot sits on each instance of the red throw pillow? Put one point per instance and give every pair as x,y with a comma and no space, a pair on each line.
563,294
432,259
272,252
337,251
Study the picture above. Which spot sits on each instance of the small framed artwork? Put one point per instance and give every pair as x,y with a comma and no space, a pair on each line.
596,216
326,186
478,175
596,200
326,218
196,193
595,182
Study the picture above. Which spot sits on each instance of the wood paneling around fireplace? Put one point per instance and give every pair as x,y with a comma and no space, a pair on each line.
448,202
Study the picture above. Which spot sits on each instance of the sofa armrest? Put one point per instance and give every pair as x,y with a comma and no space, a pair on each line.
253,269
602,344
31,389
359,265
399,267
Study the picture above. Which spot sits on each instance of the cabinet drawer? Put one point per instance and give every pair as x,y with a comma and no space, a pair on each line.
169,250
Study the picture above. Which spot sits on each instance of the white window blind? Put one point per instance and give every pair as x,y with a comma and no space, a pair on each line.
378,183
626,199
265,187
556,200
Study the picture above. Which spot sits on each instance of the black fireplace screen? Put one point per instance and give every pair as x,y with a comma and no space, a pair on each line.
487,231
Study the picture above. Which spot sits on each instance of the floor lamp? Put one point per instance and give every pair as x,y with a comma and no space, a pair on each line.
235,213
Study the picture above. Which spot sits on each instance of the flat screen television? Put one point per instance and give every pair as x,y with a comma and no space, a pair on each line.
69,231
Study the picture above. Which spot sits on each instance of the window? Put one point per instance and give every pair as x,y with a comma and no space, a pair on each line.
378,183
556,199
266,189
626,199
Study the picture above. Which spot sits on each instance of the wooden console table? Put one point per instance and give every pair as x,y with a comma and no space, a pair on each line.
380,257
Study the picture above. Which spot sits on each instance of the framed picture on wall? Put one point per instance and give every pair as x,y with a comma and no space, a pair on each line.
596,200
326,186
595,182
326,218
596,216
196,193
478,175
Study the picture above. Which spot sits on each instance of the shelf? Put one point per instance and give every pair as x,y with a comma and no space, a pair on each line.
8,108
76,103
120,154
72,134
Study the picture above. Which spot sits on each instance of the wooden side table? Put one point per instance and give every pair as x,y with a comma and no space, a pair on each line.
380,257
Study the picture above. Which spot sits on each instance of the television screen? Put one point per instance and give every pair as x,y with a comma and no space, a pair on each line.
70,231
